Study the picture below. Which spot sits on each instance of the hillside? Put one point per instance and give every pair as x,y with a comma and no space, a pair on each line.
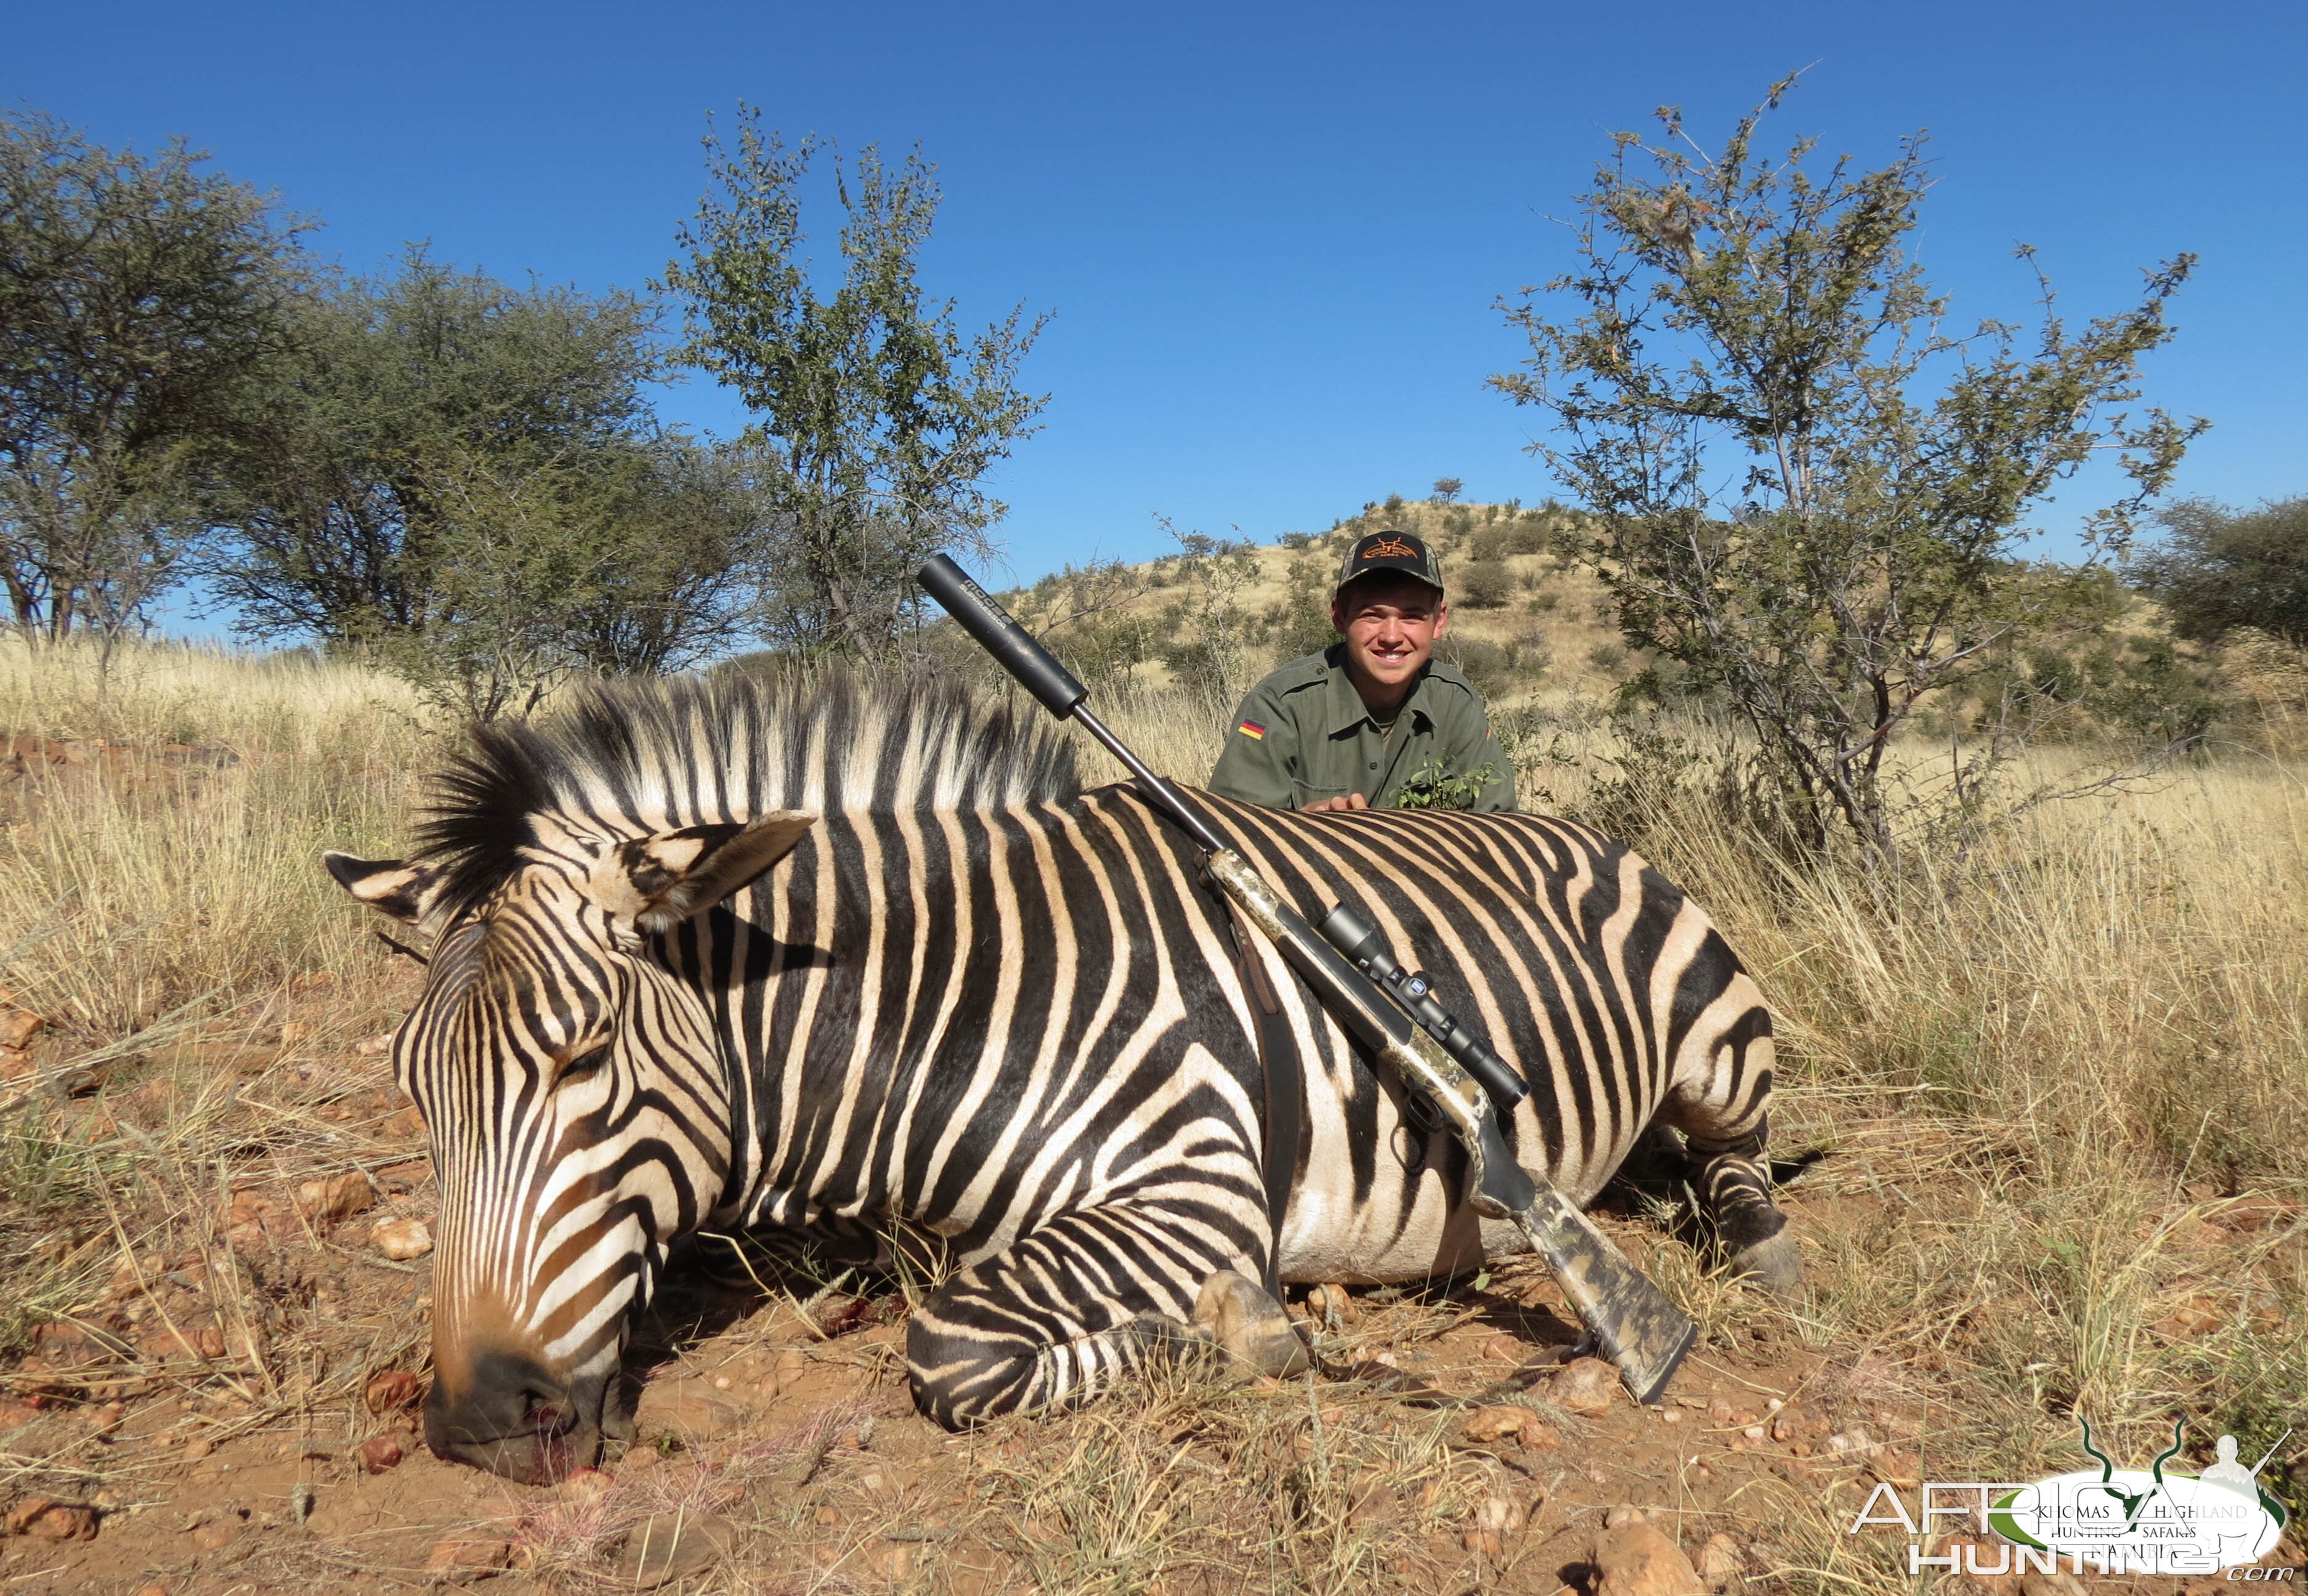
1524,623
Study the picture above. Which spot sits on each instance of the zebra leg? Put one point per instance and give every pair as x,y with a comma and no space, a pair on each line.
1075,1305
1734,1184
1248,1325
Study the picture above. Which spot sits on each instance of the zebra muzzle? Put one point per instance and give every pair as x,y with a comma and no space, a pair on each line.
511,1417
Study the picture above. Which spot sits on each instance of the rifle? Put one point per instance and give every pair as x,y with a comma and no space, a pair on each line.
1394,1016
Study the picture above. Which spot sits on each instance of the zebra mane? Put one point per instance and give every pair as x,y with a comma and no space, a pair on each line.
680,751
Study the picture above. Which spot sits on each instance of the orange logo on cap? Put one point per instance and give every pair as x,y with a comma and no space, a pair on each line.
1390,548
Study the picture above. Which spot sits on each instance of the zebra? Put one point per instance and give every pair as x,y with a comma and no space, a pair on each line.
842,959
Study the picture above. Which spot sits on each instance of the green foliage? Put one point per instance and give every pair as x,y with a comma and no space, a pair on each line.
1742,320
2218,569
1432,786
617,563
1208,654
141,300
875,419
1447,489
1085,615
1300,624
1484,585
398,388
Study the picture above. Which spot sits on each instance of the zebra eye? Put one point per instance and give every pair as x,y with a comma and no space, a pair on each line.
581,1064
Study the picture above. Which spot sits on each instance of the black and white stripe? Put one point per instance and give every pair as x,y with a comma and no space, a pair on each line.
974,1003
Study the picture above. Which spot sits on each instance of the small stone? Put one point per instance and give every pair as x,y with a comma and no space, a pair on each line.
198,1447
1636,1559
1492,1424
1501,1516
393,1389
44,1518
1586,1386
686,1411
294,1031
326,1202
1720,1562
1505,1348
401,1239
1621,1517
1753,1432
1854,1439
2197,1316
378,1454
467,1556
380,1043
215,1538
1483,1543
668,1546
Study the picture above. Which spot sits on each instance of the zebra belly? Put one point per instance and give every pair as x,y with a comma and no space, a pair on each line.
1413,1223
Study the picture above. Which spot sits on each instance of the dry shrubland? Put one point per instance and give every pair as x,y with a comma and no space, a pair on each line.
2053,1107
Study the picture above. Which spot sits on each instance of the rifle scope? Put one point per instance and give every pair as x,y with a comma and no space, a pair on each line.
1364,946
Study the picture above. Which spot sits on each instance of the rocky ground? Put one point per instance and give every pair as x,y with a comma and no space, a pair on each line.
225,1328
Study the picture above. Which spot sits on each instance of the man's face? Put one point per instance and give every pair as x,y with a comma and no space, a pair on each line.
1389,624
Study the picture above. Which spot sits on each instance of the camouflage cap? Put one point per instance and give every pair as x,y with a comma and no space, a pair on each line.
1406,552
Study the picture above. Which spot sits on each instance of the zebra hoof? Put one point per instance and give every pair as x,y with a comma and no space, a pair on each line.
1773,1264
1248,1325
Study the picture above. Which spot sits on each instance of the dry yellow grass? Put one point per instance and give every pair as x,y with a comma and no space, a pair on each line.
2046,1092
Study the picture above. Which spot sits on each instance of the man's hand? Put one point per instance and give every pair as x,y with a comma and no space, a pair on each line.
1336,806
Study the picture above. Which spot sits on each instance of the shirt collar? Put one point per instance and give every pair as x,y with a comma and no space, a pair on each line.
1343,707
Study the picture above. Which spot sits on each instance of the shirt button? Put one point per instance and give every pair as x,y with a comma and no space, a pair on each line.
1373,765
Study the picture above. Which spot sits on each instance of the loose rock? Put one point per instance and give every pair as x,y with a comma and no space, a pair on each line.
44,1518
472,1556
1586,1386
378,1454
1501,1516
1508,1422
326,1202
393,1390
401,1239
1720,1562
668,1546
685,1410
1636,1559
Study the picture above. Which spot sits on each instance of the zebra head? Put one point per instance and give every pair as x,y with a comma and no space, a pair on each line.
576,1101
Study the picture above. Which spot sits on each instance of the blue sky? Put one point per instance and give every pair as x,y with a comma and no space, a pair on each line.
1271,236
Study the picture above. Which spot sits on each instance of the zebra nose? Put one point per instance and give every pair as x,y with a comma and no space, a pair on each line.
511,1417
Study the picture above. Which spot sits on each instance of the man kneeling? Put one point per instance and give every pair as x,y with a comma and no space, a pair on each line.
1373,720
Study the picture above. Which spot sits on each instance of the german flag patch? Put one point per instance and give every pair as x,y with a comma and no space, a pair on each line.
1252,728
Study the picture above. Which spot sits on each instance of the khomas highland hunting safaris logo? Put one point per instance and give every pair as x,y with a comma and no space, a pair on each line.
2109,1520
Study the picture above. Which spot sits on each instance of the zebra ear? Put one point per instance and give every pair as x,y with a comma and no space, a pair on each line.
675,874
404,892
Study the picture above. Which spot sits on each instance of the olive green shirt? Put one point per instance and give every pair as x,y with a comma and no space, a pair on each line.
1304,735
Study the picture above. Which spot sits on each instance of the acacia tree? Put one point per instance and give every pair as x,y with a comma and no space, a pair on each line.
2218,569
398,385
875,419
142,300
1809,495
